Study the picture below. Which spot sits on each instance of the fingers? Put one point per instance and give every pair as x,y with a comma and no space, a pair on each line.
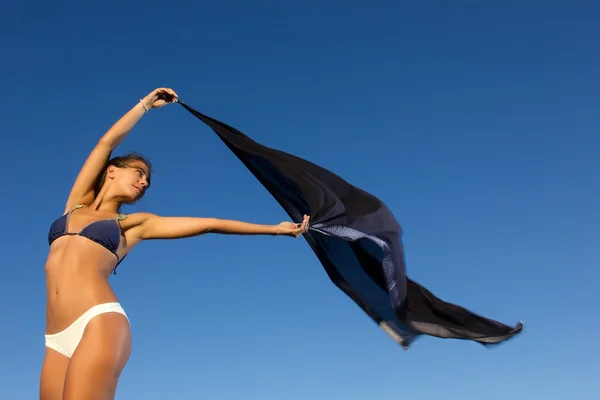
303,227
166,94
295,229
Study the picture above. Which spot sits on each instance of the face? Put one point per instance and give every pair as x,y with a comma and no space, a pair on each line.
131,181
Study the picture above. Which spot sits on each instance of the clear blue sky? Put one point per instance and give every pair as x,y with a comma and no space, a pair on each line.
476,122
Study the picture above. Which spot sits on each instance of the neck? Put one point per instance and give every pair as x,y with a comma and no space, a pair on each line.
103,202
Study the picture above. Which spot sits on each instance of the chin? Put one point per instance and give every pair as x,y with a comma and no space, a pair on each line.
130,198
137,195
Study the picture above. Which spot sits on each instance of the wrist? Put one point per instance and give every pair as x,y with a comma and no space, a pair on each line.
149,99
147,102
275,230
141,104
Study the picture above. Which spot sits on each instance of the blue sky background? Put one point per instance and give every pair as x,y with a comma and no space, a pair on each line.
476,122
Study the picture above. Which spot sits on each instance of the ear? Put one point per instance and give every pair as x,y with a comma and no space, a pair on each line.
111,171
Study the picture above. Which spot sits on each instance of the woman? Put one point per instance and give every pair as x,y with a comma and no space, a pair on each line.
88,340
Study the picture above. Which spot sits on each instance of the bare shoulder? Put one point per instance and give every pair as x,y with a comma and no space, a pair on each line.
131,221
132,226
141,226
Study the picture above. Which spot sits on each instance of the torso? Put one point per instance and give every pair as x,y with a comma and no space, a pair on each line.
79,263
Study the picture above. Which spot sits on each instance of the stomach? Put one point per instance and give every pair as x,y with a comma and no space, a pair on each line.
77,271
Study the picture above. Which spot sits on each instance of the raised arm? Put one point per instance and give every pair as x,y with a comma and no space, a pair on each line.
83,187
152,226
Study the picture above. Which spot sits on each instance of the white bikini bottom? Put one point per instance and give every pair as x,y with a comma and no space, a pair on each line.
66,342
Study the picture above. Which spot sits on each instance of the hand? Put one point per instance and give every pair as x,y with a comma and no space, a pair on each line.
292,229
160,97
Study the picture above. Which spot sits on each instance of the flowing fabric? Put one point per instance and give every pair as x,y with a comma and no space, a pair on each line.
357,240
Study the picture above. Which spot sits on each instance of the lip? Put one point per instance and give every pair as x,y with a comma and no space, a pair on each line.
138,189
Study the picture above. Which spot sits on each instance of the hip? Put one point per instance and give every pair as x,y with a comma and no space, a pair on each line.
68,299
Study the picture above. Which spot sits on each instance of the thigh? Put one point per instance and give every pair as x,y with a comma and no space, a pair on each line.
52,379
97,363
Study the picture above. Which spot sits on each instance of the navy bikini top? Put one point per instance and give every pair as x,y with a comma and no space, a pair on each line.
106,232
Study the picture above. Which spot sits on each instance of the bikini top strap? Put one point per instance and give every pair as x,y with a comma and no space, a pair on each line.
68,216
75,208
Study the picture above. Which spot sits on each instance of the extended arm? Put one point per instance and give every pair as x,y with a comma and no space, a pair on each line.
156,227
83,187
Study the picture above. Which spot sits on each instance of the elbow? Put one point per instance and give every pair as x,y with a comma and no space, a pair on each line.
157,227
107,144
211,225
